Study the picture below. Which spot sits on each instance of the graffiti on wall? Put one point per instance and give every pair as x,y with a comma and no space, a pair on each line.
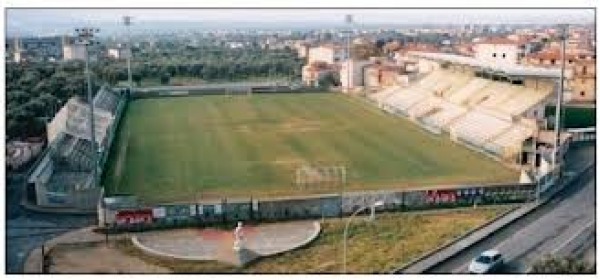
132,217
440,196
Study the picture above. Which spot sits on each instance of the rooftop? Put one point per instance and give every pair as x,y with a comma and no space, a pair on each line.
510,70
554,53
499,41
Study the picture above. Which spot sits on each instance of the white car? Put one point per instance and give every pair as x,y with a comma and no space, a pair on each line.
486,262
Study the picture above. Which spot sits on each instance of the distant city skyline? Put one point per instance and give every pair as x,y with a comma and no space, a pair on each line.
26,21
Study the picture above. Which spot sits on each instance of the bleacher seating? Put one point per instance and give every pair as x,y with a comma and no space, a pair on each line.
431,80
513,137
427,105
59,181
403,99
382,95
106,100
462,95
478,127
444,82
479,112
72,154
444,113
525,99
498,93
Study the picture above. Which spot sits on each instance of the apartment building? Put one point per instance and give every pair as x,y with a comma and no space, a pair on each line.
498,51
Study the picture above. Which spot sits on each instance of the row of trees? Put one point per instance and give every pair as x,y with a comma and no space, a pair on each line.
562,265
36,91
207,63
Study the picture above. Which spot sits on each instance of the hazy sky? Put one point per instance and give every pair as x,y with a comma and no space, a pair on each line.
20,20
332,15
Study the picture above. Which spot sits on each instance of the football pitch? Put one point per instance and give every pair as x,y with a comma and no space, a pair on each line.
200,147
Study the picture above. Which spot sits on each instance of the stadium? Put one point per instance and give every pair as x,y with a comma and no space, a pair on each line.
452,126
456,124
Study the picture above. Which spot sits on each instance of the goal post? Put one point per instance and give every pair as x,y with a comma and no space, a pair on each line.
320,176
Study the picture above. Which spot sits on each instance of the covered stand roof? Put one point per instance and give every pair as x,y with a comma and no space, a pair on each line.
512,70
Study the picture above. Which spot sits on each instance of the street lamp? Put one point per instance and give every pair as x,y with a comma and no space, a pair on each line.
85,37
372,207
127,23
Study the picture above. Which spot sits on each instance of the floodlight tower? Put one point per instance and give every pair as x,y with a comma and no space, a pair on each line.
348,21
127,23
560,94
85,37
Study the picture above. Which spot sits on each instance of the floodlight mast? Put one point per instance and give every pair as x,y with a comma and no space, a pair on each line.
560,95
348,19
127,23
85,37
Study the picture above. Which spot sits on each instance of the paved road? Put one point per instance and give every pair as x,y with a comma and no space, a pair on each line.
563,226
27,230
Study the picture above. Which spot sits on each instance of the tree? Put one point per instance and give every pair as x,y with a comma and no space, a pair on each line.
329,79
561,265
75,86
29,79
136,78
380,43
17,96
164,78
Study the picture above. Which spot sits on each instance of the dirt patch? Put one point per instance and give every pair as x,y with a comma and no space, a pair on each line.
98,258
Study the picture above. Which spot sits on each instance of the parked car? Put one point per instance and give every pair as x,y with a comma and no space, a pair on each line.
486,262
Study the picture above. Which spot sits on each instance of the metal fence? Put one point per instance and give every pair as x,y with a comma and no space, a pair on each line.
583,134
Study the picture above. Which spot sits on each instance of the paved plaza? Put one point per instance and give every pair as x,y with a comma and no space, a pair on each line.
217,244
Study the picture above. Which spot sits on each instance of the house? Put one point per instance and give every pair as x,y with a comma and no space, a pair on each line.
352,73
72,51
312,73
328,53
384,75
302,48
582,65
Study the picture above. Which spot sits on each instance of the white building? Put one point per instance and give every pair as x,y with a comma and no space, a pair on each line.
498,51
17,56
72,52
329,54
356,70
119,52
235,45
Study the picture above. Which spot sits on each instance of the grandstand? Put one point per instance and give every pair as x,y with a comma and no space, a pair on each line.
485,112
73,118
68,163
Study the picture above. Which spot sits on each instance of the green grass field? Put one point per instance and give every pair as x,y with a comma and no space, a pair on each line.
185,148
